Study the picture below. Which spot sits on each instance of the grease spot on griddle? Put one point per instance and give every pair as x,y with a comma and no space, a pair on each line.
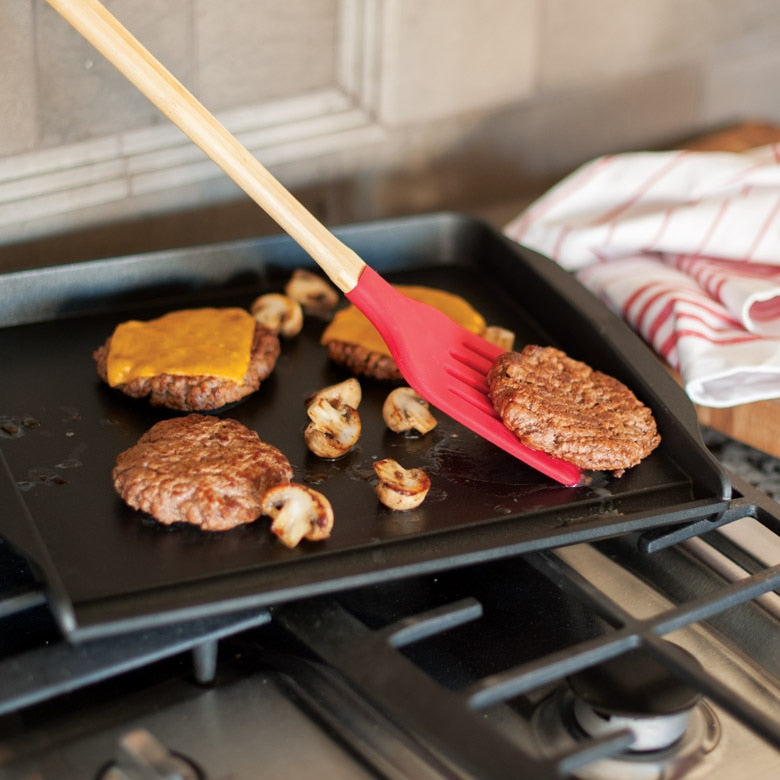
317,471
73,459
436,494
411,444
500,509
470,459
395,524
10,430
69,463
70,413
14,427
109,423
45,477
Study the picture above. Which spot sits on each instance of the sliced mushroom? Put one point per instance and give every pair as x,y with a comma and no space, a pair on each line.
334,428
400,488
348,393
297,512
312,292
404,411
278,313
499,336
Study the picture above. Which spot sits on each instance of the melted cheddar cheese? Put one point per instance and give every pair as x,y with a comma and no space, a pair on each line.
190,342
351,326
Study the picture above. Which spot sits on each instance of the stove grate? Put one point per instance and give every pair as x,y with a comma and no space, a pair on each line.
53,668
452,723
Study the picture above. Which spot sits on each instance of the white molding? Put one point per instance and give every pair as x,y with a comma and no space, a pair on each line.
60,188
93,173
360,56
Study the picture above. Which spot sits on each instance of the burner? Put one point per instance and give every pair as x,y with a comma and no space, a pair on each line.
655,733
633,691
143,757
672,726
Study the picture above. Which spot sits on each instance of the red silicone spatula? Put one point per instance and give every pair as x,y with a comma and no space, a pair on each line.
443,362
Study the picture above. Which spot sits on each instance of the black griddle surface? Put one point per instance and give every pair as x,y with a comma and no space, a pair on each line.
108,568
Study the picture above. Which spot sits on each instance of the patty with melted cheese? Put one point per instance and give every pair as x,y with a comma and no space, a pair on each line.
353,342
189,360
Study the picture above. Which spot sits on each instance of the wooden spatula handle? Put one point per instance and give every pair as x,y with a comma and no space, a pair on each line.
118,45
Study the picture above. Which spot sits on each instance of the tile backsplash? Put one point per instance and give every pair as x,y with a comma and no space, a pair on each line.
418,105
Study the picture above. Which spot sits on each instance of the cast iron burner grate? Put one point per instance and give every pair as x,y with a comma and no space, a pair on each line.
449,725
36,665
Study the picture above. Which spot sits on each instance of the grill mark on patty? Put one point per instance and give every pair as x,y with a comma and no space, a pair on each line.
202,470
565,408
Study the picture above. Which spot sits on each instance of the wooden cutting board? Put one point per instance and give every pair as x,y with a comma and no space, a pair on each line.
756,424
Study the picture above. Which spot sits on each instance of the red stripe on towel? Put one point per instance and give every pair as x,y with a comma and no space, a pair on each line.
676,296
763,231
661,230
713,226
642,189
574,183
671,343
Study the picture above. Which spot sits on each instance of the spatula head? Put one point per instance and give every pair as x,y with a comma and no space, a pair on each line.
447,365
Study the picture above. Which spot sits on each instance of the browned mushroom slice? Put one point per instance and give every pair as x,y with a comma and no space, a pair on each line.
400,488
501,337
346,393
334,428
312,292
404,411
298,512
279,313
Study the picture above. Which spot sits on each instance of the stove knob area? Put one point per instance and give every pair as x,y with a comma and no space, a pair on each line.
141,756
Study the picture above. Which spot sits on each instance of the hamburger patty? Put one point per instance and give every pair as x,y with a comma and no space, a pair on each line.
201,470
351,341
202,392
563,407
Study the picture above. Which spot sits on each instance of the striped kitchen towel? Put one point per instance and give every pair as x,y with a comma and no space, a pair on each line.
685,245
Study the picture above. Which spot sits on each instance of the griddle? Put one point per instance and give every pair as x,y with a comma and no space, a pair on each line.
107,568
